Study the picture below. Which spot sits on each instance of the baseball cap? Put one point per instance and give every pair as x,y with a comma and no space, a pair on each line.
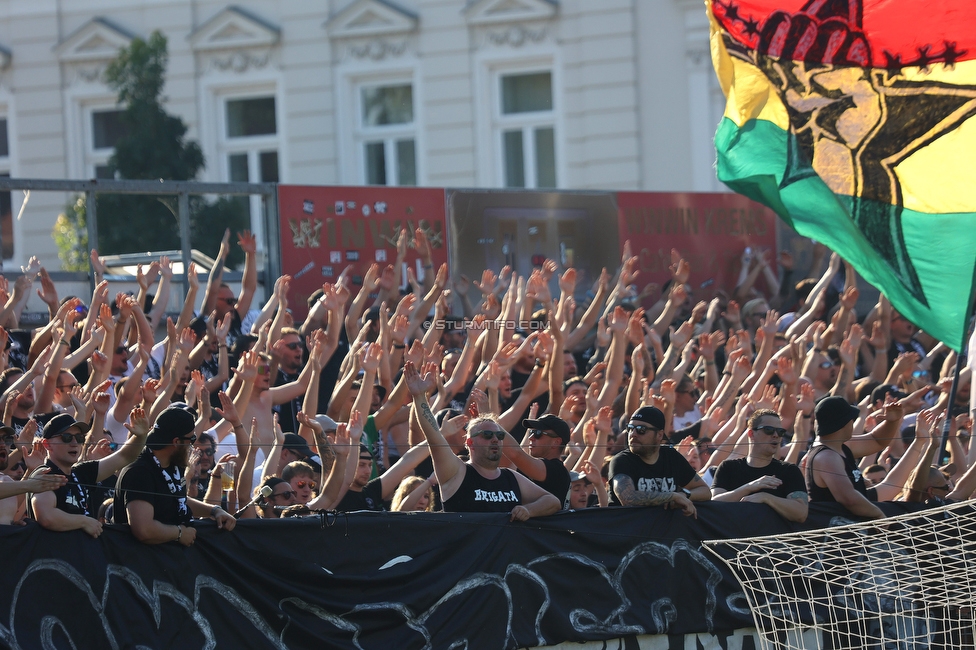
549,422
650,414
61,423
297,444
173,422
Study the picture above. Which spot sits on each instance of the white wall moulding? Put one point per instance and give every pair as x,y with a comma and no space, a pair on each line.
496,12
97,40
234,28
371,18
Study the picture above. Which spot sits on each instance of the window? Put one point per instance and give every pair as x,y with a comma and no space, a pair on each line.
386,135
251,140
6,206
249,147
106,128
526,129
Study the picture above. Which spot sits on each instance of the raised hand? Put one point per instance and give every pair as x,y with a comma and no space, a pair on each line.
418,385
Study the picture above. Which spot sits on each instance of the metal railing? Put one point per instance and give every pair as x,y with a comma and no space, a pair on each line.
182,190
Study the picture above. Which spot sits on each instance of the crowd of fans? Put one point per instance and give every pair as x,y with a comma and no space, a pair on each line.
522,394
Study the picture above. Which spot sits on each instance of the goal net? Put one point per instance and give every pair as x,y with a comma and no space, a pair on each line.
905,582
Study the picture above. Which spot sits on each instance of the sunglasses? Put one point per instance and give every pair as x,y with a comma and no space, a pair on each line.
120,350
63,386
230,301
826,364
9,441
773,431
293,346
263,370
641,429
311,484
537,433
190,440
287,494
207,452
66,438
488,435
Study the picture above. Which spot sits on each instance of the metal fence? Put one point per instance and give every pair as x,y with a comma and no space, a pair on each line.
182,190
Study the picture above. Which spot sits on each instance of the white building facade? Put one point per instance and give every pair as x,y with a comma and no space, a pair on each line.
571,94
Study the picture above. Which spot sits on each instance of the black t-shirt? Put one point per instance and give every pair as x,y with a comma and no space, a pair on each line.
557,479
288,411
670,473
480,494
145,480
733,474
371,498
75,497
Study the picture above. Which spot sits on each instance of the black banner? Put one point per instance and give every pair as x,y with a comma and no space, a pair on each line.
385,580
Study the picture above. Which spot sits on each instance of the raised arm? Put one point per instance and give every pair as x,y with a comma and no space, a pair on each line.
448,468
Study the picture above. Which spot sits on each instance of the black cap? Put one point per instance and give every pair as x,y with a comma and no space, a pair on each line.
61,423
297,444
650,414
173,422
882,391
833,414
549,422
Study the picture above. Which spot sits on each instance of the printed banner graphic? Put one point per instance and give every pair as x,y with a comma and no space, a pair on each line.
386,580
853,120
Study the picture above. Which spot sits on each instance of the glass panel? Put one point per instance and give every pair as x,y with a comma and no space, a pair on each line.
4,147
406,162
246,117
6,222
375,163
237,163
269,166
387,105
545,157
106,129
104,172
514,159
525,93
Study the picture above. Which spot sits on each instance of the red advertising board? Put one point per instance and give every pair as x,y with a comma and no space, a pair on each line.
710,230
326,229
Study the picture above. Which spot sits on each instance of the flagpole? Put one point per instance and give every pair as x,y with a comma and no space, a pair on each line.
943,457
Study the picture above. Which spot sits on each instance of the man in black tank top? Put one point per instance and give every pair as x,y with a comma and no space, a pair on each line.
830,468
479,485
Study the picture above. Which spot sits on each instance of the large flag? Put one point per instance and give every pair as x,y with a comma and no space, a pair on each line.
854,121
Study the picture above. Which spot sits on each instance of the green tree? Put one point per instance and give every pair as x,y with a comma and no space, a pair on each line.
153,146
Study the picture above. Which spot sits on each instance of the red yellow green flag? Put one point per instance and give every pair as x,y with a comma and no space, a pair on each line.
854,121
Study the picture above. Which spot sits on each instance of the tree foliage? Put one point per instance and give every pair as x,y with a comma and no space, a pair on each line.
153,146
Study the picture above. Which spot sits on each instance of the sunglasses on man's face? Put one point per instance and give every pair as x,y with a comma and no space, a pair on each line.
207,451
66,438
311,484
189,440
538,433
770,430
826,364
488,435
285,495
263,370
293,346
230,301
640,429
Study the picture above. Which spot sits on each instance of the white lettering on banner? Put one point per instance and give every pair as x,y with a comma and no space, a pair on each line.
656,485
496,496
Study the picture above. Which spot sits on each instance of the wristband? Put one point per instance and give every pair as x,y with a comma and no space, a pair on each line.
179,535
709,362
213,511
237,426
399,346
63,342
807,417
